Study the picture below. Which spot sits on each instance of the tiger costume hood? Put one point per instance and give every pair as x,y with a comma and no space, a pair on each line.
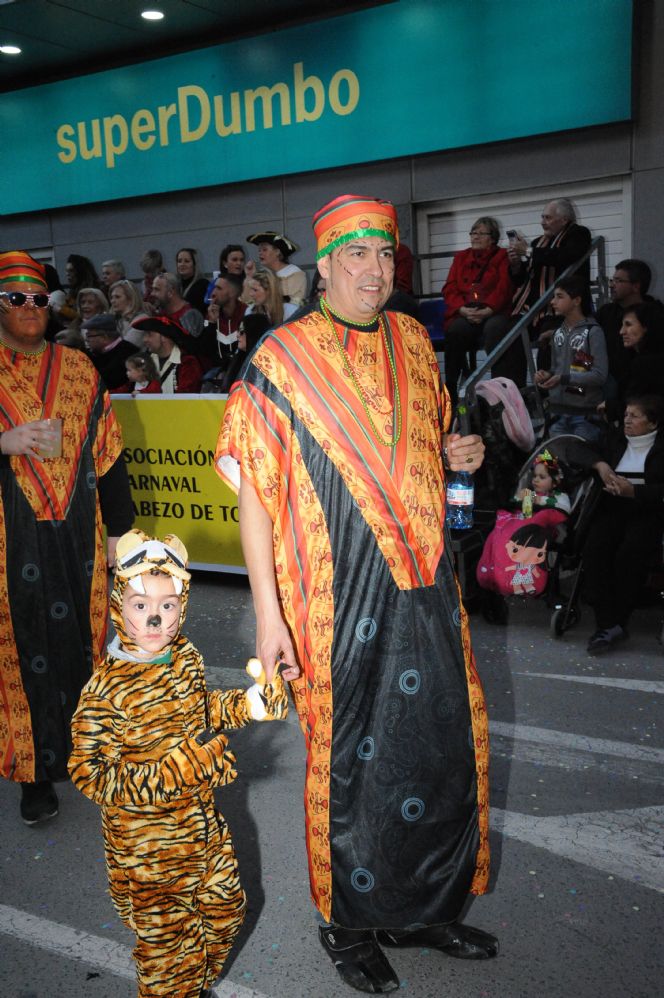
136,555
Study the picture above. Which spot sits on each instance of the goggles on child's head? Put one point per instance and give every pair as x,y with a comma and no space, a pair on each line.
136,554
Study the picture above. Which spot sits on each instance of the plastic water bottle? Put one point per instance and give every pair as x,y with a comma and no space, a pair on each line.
460,500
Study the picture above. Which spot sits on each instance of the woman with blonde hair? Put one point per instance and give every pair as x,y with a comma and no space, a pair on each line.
264,290
127,305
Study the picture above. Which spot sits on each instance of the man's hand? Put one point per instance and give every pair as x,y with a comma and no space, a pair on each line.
26,439
274,646
464,453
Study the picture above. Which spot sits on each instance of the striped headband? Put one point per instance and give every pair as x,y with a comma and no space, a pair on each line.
351,216
19,266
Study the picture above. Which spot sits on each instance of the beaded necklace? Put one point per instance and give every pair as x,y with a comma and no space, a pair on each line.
25,353
350,371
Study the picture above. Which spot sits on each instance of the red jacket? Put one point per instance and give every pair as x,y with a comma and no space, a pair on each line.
492,270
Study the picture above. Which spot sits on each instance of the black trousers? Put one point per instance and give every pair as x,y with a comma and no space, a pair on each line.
623,541
462,336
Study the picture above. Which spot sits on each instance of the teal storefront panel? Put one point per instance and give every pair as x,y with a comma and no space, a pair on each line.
410,77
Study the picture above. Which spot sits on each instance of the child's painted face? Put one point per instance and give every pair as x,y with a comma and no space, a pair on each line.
543,483
151,620
523,555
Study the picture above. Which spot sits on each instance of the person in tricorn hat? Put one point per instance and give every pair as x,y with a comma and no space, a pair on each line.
173,352
337,439
52,581
108,351
274,250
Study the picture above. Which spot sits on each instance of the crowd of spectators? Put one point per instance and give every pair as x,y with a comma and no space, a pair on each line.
204,315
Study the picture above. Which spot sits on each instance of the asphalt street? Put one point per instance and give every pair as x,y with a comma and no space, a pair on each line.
577,791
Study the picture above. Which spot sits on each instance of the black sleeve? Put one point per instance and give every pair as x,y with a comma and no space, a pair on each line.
117,511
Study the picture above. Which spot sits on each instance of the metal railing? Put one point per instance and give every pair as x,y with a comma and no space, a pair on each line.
467,397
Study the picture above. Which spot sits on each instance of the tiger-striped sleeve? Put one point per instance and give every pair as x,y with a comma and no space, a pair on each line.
228,708
98,770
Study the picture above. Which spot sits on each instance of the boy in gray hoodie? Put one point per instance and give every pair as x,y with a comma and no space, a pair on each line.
579,365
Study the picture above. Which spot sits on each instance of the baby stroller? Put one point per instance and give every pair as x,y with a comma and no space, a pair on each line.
528,552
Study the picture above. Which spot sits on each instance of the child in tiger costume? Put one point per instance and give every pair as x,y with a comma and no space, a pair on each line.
148,747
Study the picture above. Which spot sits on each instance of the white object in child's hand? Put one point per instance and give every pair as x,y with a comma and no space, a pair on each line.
255,693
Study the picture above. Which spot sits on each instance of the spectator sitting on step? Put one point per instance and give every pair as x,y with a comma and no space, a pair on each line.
192,284
578,370
127,305
625,532
534,269
112,271
642,369
478,300
108,351
224,315
152,263
628,287
80,273
169,302
274,249
89,302
265,298
232,260
178,369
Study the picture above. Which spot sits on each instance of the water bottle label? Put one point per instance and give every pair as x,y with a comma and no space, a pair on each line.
460,497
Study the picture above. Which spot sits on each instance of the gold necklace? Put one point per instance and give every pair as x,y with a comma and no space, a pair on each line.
359,389
25,353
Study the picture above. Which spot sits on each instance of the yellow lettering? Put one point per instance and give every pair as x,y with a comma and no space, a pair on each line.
115,125
165,112
266,94
301,87
235,126
344,76
142,122
184,93
63,136
95,151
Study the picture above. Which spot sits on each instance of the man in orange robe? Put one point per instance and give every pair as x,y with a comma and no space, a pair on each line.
53,601
337,439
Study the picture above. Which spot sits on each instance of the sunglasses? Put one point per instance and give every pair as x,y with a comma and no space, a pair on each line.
17,299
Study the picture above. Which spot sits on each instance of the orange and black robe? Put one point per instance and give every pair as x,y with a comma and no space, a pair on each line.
53,600
396,793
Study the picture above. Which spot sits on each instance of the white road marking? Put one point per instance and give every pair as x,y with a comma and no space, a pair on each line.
627,844
635,685
73,944
580,743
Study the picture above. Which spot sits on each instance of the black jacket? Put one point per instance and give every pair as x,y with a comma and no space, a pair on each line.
651,493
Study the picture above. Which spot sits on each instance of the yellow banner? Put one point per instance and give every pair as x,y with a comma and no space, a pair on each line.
169,448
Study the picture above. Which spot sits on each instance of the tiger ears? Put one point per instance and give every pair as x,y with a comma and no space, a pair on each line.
177,546
132,539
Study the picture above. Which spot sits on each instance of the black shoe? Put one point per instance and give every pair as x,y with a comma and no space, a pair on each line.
603,641
207,993
359,959
39,802
454,939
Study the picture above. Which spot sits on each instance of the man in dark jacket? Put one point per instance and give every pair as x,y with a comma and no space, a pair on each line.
629,286
536,267
108,351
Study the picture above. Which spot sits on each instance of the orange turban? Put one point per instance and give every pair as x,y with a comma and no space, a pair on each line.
352,217
19,266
